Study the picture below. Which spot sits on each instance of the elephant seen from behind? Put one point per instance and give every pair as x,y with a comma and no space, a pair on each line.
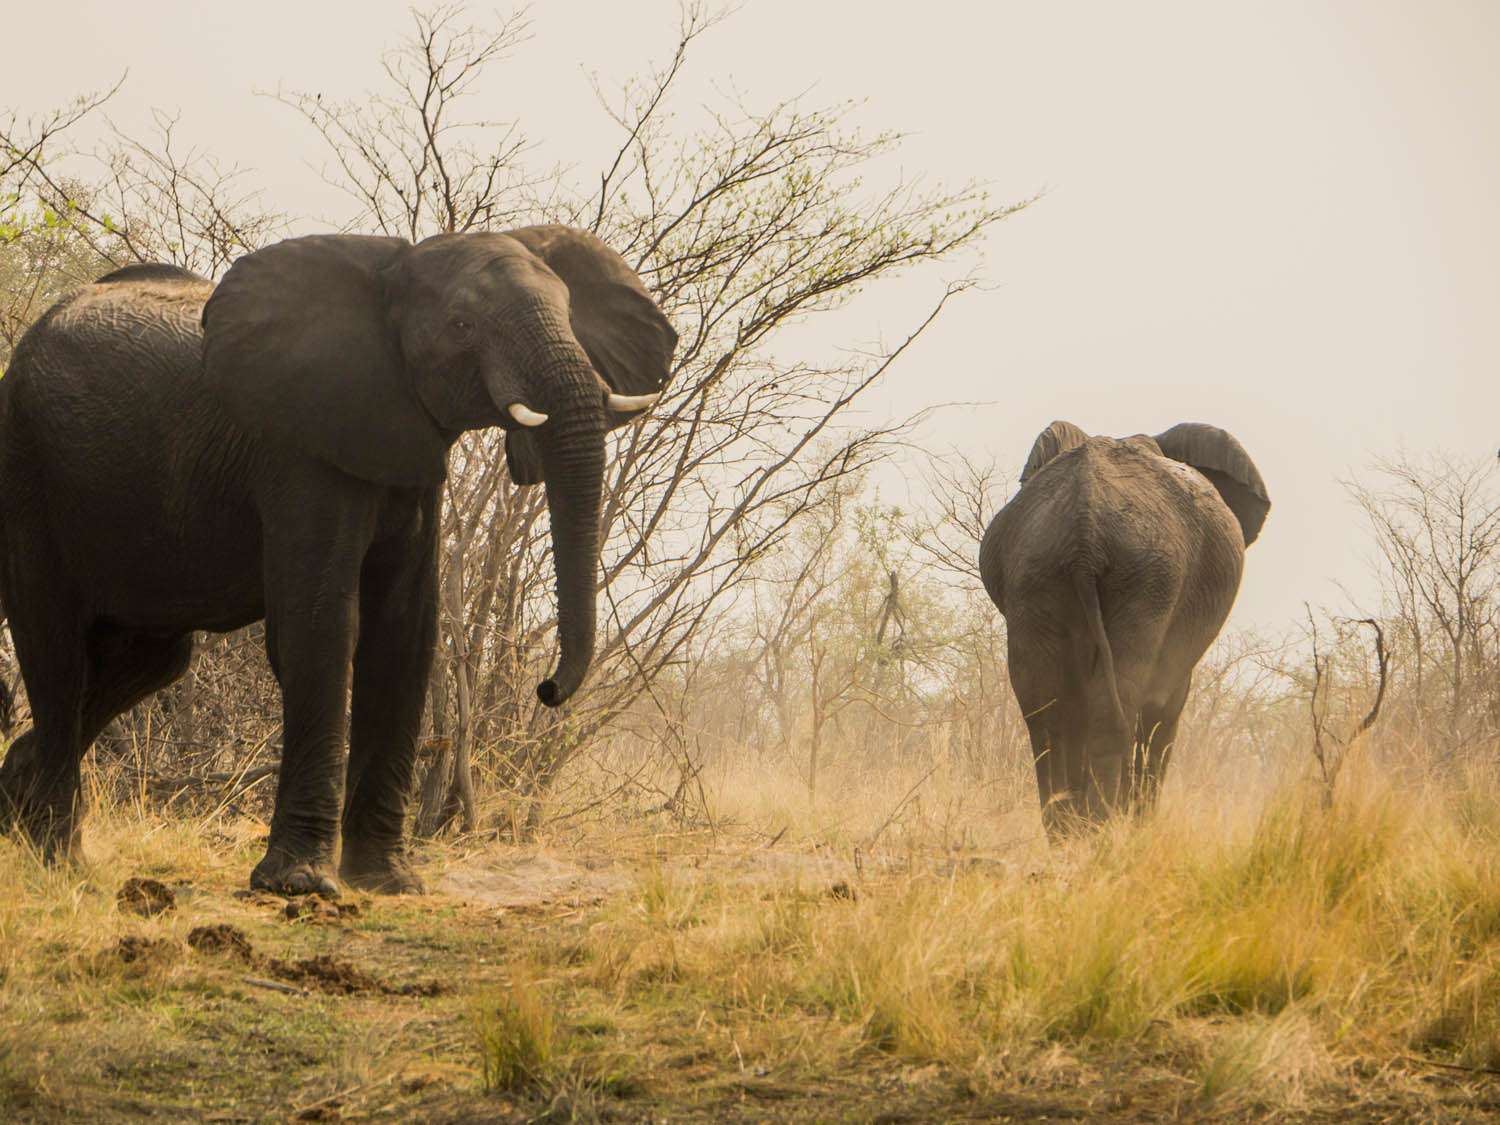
177,456
1115,566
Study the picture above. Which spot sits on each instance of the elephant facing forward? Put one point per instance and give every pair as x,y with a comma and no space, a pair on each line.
1115,566
175,456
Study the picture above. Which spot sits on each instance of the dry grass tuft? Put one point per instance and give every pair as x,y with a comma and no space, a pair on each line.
515,1030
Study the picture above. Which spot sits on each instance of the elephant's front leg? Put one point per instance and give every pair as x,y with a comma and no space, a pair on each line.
398,627
313,556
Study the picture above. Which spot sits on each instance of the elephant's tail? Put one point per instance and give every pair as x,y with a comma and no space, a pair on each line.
7,696
1085,586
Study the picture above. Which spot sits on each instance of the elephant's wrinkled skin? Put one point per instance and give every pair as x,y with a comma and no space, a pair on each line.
1115,566
177,457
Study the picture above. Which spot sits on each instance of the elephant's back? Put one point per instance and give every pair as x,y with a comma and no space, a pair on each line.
108,385
111,444
106,344
1168,556
132,322
1116,510
1034,539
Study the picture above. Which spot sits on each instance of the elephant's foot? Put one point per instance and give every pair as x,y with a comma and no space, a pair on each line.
383,870
43,814
53,833
1064,818
17,779
281,872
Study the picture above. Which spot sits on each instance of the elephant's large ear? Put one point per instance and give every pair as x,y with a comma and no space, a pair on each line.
1055,439
627,337
1217,455
299,345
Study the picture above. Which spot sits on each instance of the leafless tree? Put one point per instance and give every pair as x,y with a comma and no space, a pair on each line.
43,253
1330,749
1436,526
409,157
33,143
42,256
961,496
750,223
740,229
132,200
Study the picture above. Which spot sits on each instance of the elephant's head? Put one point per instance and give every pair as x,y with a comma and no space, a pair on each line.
1213,452
373,355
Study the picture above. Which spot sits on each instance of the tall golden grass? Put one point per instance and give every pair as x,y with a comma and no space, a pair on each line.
1265,961
1262,959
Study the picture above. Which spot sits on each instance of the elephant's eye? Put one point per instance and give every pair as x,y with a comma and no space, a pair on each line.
461,326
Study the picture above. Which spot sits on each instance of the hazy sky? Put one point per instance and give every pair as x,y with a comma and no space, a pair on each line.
1281,217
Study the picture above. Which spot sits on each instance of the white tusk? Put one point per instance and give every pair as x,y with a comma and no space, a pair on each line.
525,415
627,403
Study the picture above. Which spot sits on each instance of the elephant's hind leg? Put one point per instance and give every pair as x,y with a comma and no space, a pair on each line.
1037,678
398,627
41,774
39,779
124,668
1051,776
1158,735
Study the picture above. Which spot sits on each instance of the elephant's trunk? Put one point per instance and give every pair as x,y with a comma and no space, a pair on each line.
572,454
